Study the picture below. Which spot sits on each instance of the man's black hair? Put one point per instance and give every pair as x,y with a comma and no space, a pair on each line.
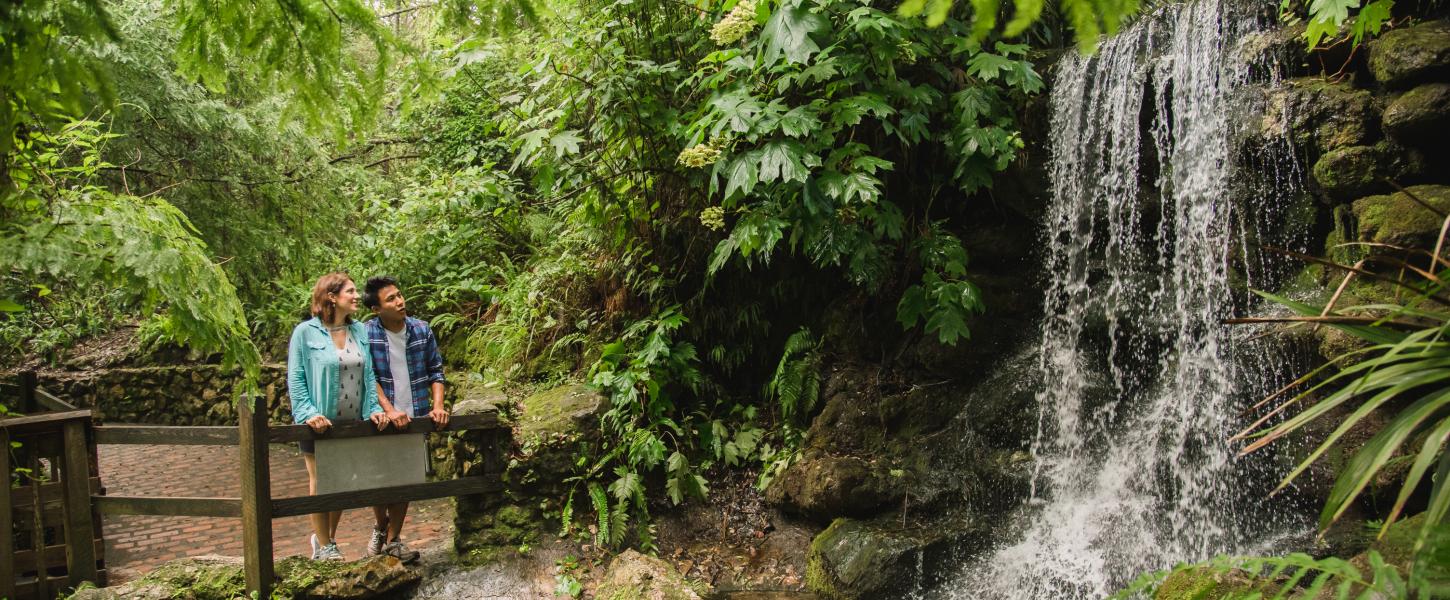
374,286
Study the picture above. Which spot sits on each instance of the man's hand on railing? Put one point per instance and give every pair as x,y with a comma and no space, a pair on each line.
440,417
399,418
319,423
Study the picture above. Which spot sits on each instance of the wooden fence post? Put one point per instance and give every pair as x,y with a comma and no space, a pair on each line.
28,383
256,496
80,545
7,541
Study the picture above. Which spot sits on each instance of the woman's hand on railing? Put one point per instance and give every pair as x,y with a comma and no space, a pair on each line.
319,423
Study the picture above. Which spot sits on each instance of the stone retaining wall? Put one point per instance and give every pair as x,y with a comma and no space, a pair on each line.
170,395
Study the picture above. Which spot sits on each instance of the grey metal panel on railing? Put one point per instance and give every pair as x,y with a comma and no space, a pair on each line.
306,505
350,429
172,507
173,435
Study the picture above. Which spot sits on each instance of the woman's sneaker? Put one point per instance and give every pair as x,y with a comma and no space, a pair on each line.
375,544
329,552
315,547
400,551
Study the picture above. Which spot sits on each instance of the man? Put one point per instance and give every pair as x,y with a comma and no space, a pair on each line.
410,384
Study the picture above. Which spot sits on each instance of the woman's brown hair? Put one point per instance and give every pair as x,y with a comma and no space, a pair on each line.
331,283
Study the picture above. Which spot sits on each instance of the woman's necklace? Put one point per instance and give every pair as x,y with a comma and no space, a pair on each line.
337,327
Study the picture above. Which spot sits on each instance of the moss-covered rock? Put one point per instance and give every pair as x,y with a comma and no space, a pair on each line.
223,578
1400,220
871,559
1351,172
634,576
1316,115
497,531
1420,115
1403,57
1207,584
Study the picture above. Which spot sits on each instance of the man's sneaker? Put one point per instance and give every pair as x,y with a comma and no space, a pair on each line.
315,547
375,543
329,552
401,551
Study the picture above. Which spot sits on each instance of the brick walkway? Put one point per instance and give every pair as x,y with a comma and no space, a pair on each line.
136,544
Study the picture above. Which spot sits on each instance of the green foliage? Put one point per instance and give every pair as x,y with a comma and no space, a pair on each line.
1404,368
1327,19
1278,578
61,227
1089,18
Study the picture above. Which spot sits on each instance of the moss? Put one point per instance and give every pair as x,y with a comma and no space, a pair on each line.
1207,584
297,575
1399,219
498,534
632,575
555,410
818,580
1408,55
199,580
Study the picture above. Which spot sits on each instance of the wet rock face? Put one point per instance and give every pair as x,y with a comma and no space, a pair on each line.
634,576
1420,115
1404,57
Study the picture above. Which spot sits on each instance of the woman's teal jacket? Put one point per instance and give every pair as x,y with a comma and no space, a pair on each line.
313,380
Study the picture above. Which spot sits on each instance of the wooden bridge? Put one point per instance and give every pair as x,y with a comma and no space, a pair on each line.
54,514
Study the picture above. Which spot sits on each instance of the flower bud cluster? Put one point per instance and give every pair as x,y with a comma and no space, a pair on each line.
699,155
713,218
735,25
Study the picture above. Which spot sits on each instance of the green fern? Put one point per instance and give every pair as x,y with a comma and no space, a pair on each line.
1273,578
601,511
796,384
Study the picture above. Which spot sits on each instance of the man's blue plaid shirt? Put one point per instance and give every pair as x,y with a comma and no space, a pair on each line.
425,364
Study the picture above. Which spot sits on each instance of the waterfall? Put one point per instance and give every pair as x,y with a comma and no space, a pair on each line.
1133,470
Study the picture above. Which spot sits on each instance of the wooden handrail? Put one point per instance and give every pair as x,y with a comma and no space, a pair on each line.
171,506
226,435
25,424
352,429
167,435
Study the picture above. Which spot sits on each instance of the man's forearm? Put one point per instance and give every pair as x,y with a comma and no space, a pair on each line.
437,390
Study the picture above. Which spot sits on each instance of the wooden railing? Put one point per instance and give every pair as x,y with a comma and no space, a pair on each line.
255,506
72,435
51,510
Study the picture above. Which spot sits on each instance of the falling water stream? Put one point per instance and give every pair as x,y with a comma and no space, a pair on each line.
1133,470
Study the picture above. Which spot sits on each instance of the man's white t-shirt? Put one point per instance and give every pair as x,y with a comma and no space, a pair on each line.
398,364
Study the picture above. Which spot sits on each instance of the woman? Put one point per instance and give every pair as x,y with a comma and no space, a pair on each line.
330,377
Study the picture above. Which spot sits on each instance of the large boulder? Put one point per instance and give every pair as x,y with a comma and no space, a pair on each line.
1420,115
1402,220
1404,57
634,576
1316,115
881,559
